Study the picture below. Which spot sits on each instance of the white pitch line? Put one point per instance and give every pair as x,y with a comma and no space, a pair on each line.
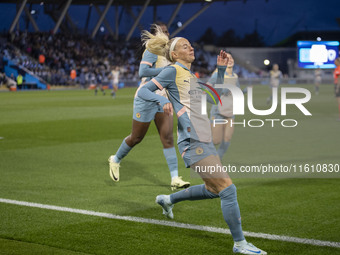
173,224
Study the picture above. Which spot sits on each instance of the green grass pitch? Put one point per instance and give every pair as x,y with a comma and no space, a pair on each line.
54,147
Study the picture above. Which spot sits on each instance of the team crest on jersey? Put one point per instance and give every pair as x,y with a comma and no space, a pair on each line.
199,151
138,115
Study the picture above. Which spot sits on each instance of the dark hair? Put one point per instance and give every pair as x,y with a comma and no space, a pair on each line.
229,52
153,27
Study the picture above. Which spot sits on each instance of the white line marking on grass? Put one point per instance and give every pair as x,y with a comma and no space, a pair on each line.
173,224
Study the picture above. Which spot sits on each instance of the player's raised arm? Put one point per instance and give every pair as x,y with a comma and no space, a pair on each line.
222,62
218,75
222,58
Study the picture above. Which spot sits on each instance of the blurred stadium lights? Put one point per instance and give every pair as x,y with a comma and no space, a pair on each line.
208,0
266,62
179,24
32,12
318,38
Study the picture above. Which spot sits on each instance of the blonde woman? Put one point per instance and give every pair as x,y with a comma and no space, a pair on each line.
194,133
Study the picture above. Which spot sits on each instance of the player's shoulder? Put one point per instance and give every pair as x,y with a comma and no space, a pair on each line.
149,54
167,76
171,69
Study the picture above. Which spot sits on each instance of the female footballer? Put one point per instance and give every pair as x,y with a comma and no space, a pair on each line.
194,132
143,113
275,77
317,79
222,134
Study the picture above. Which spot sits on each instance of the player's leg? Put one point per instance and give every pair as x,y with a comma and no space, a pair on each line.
114,89
227,135
217,184
197,192
317,84
195,154
96,90
102,89
164,124
138,132
217,128
217,133
143,113
270,98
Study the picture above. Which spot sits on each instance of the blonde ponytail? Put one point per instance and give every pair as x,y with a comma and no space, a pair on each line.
156,44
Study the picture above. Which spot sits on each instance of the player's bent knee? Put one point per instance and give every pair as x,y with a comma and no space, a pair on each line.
168,141
227,138
136,140
211,188
216,141
217,185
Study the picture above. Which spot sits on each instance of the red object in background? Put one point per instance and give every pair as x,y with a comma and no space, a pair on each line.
41,59
336,74
73,74
197,74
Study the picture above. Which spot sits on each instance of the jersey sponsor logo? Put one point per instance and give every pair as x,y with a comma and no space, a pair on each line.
138,115
195,92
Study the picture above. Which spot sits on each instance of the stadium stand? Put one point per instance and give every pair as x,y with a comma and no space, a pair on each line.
90,58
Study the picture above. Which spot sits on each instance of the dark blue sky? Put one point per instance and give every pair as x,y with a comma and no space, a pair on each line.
275,19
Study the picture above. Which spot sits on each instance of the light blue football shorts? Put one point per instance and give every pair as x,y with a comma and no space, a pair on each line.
193,151
145,111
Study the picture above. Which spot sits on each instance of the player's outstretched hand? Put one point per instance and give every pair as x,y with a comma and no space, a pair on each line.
167,108
222,59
